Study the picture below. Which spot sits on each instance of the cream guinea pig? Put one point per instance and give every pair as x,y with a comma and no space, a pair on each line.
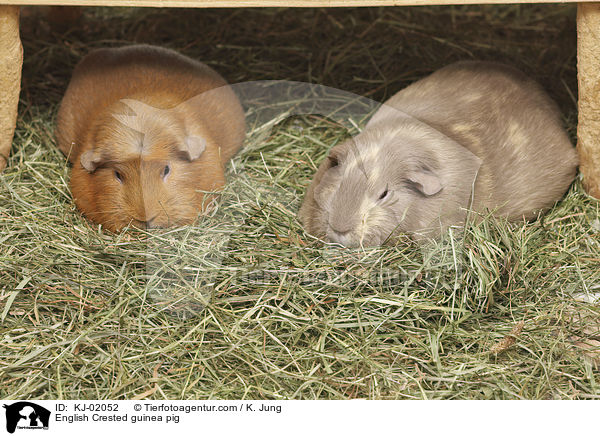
474,136
148,132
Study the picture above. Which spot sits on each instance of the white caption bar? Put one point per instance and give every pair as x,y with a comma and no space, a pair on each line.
90,418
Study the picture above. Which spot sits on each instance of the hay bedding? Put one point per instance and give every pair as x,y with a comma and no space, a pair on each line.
488,315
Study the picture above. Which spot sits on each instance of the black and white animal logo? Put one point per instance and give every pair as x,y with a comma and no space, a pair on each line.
24,414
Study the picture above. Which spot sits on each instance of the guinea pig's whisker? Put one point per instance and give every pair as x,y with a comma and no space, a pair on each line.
363,226
164,210
390,204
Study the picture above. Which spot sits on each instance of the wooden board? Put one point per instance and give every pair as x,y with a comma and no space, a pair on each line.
267,3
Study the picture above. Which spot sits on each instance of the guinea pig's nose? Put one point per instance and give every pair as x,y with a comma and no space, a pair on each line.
337,232
340,229
151,223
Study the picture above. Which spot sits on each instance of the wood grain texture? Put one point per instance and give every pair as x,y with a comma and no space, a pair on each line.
588,73
11,60
267,3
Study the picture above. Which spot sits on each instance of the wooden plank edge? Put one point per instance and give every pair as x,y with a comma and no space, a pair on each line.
271,3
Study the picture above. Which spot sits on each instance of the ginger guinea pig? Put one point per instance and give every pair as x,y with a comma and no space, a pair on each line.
473,136
148,132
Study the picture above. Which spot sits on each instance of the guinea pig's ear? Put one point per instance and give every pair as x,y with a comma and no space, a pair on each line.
333,160
90,160
425,181
193,146
335,156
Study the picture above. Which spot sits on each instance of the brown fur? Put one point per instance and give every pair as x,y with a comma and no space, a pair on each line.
172,98
473,135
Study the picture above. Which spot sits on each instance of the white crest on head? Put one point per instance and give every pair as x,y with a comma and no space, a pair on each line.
141,111
192,145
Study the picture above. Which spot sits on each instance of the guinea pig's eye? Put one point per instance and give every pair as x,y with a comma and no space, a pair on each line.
333,161
166,170
384,194
118,176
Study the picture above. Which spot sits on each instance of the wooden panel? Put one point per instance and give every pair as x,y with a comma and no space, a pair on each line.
267,3
11,59
588,66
